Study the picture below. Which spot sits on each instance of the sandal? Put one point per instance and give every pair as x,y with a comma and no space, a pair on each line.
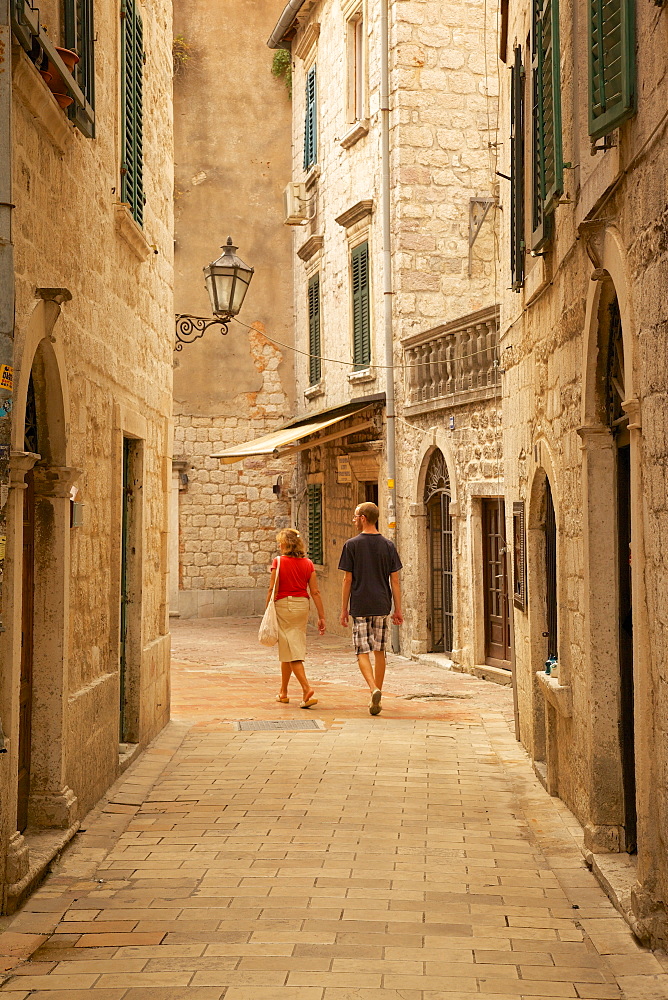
309,700
283,701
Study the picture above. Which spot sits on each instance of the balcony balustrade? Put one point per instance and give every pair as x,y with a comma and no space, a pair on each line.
453,363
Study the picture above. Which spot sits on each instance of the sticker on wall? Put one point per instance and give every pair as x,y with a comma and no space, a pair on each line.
3,539
6,377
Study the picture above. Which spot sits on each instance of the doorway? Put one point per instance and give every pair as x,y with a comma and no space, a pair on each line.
551,616
27,648
497,604
439,529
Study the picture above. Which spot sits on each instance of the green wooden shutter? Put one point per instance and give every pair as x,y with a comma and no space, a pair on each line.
517,237
315,368
79,36
611,64
315,547
547,154
132,71
361,326
310,125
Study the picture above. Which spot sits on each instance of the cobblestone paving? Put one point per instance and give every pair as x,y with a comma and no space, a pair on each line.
412,856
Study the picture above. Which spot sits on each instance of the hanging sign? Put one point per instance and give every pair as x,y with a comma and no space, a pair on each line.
343,470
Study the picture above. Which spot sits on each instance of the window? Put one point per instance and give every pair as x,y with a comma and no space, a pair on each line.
79,35
517,241
310,124
519,557
548,168
356,69
314,349
360,288
314,497
132,71
611,64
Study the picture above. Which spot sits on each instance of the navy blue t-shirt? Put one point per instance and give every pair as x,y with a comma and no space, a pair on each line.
370,557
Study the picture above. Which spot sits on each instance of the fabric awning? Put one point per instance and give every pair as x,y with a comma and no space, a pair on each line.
271,444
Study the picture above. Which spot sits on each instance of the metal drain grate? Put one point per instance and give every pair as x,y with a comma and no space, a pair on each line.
279,724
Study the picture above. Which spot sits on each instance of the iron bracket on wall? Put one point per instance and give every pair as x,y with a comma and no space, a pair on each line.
478,209
191,328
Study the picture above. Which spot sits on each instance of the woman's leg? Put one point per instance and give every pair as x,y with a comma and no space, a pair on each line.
300,674
286,670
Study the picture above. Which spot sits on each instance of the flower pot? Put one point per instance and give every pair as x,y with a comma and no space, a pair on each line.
56,84
64,100
47,77
69,57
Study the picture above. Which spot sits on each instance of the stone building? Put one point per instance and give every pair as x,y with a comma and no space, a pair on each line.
445,376
85,643
583,113
225,518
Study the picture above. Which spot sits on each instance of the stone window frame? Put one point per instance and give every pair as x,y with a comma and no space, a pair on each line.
313,266
357,234
306,50
357,87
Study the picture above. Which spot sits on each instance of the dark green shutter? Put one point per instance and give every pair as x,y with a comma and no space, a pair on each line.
361,327
310,125
315,550
547,155
132,70
314,349
611,64
79,36
517,237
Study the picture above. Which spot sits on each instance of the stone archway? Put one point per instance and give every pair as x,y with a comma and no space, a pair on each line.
41,396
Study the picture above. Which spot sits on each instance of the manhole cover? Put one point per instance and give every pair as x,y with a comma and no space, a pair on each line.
279,724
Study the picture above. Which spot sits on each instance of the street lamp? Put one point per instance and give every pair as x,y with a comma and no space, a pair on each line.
227,280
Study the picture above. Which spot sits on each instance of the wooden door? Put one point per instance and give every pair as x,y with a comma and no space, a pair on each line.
125,554
497,605
625,626
25,691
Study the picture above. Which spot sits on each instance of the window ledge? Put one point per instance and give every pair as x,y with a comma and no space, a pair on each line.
315,390
312,175
362,375
536,280
130,232
558,695
355,133
39,101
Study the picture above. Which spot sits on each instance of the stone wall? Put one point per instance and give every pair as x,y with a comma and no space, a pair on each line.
608,243
233,389
94,329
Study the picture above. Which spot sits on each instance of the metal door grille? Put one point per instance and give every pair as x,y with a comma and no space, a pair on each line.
439,520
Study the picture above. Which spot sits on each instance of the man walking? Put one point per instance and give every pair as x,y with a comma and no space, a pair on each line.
371,566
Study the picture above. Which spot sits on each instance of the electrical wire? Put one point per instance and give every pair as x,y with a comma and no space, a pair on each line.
352,364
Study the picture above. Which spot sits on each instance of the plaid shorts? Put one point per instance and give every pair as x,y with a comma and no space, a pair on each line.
370,634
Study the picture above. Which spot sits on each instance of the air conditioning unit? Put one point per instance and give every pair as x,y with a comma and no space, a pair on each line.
295,204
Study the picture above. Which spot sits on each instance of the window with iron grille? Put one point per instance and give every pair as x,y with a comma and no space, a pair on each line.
360,289
611,64
132,72
310,124
315,546
314,348
547,166
79,36
517,237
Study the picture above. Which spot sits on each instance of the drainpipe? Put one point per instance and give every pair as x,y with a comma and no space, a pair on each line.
285,21
390,414
6,279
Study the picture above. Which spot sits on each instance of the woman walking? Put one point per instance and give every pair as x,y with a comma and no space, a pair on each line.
296,577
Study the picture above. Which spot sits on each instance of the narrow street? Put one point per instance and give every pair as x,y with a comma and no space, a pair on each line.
403,857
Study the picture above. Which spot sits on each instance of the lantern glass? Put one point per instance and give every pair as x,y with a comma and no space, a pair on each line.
227,280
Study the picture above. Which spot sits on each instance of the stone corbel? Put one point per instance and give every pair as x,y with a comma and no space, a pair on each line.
632,408
55,481
20,462
594,238
595,437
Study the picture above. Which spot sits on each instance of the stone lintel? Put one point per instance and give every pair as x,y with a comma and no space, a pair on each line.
595,436
356,213
311,247
307,40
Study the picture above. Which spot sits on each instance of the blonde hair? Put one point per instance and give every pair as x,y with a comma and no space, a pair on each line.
290,540
370,511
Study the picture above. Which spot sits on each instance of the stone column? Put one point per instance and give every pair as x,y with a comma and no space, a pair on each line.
600,711
52,803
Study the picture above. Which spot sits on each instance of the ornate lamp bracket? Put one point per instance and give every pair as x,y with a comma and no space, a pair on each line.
191,328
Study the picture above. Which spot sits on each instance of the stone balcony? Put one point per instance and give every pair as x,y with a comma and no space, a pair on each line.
453,363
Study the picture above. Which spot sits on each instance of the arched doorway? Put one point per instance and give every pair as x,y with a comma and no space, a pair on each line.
551,613
437,496
617,420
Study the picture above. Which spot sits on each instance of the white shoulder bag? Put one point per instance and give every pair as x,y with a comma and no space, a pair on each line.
268,634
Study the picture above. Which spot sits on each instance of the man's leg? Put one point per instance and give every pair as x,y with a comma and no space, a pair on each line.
379,669
364,663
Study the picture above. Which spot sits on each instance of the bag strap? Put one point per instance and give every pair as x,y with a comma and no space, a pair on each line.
278,570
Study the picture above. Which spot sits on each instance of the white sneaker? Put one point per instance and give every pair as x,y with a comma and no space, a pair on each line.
375,706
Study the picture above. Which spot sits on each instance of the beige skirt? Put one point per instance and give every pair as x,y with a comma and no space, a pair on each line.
292,614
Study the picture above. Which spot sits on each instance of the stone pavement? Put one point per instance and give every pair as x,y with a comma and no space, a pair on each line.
413,856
